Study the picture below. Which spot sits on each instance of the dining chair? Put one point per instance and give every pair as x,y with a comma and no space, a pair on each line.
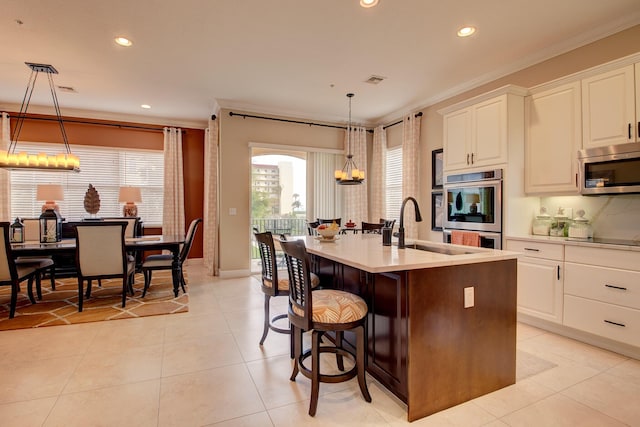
311,228
321,311
274,283
101,254
371,227
11,273
46,264
165,261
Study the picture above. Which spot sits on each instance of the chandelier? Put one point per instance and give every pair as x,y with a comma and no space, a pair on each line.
349,174
21,160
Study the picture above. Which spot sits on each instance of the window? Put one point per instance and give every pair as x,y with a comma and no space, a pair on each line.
393,183
106,169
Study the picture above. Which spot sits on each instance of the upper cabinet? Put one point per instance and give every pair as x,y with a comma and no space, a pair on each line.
552,139
477,131
609,114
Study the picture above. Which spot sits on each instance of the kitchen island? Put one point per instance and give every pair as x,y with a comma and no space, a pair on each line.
441,326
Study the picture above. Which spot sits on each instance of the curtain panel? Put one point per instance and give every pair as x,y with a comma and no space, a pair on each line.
210,226
410,169
173,207
5,188
354,197
377,175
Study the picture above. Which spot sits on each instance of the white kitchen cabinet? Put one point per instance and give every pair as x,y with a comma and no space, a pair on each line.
553,136
477,131
609,107
540,279
602,293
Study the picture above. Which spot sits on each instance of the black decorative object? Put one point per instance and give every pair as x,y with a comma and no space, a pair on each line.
436,169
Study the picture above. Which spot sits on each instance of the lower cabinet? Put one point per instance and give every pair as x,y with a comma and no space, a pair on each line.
540,279
602,300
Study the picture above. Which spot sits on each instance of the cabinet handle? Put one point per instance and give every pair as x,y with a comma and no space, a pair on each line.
558,272
576,180
629,130
615,287
532,249
614,323
471,158
638,133
467,158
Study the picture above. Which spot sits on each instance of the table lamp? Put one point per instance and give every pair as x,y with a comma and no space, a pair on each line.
129,196
50,193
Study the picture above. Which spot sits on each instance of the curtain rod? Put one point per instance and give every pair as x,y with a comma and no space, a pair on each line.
89,122
244,116
400,121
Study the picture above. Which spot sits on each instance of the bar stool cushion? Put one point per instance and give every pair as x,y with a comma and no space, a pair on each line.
283,281
334,306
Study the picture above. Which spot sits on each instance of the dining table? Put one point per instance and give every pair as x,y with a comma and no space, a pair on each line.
133,244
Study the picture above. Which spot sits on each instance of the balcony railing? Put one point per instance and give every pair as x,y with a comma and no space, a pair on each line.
290,226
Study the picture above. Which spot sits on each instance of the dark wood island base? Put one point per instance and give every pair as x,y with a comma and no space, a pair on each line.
423,344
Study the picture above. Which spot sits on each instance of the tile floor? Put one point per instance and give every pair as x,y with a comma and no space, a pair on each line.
206,368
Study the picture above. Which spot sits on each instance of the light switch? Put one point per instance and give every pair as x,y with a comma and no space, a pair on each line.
233,211
469,297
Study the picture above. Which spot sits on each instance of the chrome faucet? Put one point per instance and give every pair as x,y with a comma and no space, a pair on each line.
401,227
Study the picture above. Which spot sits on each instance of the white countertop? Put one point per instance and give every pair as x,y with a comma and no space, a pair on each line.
575,242
365,252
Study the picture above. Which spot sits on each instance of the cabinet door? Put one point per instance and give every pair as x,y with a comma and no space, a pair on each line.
457,137
552,139
540,290
608,108
489,137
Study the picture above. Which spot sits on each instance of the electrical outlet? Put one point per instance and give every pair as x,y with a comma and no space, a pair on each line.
469,297
233,211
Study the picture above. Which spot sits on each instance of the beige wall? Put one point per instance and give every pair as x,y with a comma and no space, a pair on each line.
236,133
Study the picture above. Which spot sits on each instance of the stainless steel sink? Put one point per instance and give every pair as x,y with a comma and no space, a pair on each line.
438,249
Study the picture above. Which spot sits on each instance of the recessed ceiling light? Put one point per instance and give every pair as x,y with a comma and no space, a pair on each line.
466,31
145,106
123,41
368,3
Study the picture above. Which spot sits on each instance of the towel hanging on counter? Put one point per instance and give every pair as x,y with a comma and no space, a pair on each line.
466,238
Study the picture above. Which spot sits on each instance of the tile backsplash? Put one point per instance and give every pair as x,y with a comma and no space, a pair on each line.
615,217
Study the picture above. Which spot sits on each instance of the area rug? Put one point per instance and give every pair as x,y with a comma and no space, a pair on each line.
60,307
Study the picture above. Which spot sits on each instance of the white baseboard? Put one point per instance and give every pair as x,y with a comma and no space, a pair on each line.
229,274
595,340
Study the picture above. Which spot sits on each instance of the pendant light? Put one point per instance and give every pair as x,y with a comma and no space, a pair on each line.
349,174
41,161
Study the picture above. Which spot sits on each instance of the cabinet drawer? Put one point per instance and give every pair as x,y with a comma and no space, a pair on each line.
621,287
614,258
537,249
610,321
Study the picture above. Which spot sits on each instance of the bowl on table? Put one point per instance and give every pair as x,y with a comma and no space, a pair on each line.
327,232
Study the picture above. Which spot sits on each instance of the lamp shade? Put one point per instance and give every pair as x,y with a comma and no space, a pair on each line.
49,192
472,198
129,195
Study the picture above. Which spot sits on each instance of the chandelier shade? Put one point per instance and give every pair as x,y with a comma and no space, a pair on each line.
349,174
14,159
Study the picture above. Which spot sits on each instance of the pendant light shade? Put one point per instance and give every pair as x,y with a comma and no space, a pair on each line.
349,174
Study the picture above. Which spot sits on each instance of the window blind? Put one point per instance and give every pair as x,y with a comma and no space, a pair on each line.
107,169
393,183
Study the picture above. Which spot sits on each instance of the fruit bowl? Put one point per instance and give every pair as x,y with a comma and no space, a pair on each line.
327,232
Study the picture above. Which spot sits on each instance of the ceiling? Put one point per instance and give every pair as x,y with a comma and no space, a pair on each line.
296,58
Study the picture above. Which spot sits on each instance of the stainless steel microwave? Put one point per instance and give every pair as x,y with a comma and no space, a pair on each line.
614,169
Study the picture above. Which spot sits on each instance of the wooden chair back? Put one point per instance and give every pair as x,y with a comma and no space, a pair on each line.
188,241
299,270
8,270
100,249
269,263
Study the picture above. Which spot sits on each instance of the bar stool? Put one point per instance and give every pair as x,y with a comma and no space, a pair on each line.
274,283
324,310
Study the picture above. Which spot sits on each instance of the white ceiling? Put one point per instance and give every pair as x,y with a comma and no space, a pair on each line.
292,57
